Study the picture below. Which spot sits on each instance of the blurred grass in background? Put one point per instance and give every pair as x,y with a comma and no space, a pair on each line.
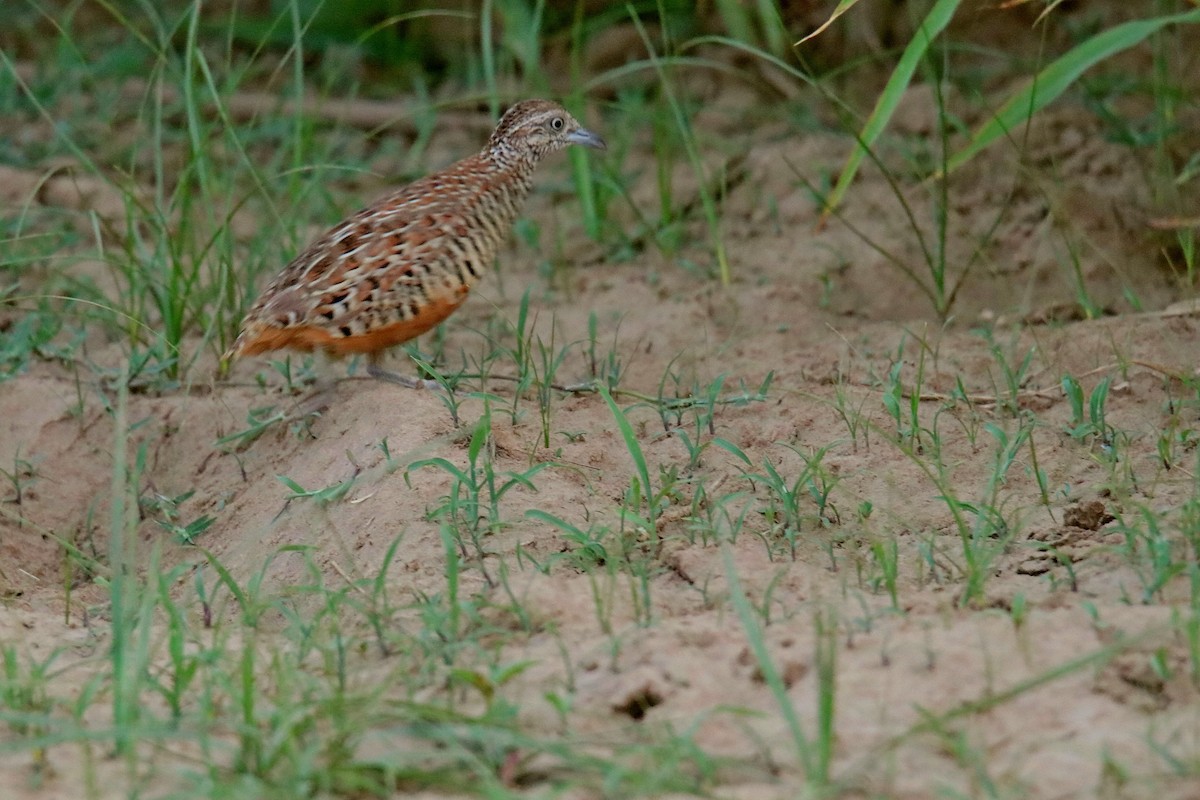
192,147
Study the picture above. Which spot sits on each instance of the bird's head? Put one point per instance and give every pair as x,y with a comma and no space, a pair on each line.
532,128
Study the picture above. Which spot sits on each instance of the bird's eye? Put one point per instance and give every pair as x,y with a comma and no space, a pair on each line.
557,123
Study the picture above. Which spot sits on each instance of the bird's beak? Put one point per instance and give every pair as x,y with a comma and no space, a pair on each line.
586,138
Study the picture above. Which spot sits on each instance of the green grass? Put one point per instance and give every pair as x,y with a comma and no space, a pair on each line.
207,674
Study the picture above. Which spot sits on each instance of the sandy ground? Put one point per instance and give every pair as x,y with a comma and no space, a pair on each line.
827,315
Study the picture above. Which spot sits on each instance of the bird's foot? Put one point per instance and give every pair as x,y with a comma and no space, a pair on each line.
380,374
315,403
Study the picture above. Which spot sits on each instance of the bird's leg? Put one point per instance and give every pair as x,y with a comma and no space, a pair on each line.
321,393
315,403
376,371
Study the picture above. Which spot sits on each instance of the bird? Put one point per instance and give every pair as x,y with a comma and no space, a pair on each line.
402,265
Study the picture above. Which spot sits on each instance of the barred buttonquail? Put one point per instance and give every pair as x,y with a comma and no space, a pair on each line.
402,265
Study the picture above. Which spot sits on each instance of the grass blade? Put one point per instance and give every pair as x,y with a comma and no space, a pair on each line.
768,670
934,23
707,202
842,8
631,444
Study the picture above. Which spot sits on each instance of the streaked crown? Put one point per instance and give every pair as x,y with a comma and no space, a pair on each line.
532,128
